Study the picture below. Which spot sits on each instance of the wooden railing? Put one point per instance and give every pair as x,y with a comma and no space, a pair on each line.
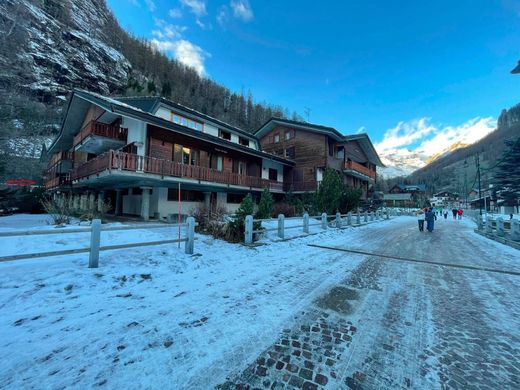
60,156
57,182
112,160
101,129
354,166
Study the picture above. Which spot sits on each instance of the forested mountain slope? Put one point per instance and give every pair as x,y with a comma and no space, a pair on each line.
48,47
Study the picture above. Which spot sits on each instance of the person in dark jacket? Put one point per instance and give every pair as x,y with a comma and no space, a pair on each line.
430,218
454,212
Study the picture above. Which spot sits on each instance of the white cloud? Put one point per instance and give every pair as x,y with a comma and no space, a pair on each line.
175,13
151,5
186,52
222,16
198,7
426,138
242,10
167,30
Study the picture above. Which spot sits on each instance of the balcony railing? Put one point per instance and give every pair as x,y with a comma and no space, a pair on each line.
60,156
58,181
114,160
354,166
101,129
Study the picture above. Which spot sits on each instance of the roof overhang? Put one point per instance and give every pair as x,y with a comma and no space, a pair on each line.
368,148
80,102
273,122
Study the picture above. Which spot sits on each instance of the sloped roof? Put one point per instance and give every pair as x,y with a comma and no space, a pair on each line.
363,138
407,196
151,103
80,100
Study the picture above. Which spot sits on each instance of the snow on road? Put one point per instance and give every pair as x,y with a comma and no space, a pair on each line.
154,317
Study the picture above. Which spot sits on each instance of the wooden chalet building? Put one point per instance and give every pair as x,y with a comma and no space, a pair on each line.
135,151
313,148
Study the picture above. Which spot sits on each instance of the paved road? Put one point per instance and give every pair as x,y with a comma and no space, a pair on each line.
392,324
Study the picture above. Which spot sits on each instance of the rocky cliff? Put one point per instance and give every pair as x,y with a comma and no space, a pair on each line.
51,46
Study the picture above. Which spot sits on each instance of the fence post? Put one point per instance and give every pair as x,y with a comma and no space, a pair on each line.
371,216
489,225
190,235
500,227
349,218
95,238
306,223
358,218
338,220
324,221
386,215
480,223
248,230
365,217
281,228
515,230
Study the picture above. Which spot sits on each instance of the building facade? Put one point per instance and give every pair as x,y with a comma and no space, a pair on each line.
313,148
147,155
135,152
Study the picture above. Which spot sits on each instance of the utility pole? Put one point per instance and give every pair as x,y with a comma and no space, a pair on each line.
479,192
465,184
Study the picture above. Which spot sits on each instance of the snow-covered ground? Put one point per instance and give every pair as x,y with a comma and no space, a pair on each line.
152,316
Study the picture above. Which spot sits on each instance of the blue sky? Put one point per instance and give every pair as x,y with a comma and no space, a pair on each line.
405,72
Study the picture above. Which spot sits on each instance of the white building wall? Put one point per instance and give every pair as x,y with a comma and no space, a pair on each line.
136,133
266,164
210,129
165,206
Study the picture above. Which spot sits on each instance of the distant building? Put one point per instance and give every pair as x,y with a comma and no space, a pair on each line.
398,200
444,198
408,189
313,148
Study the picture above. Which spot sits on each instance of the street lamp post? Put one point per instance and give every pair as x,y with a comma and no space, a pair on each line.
465,184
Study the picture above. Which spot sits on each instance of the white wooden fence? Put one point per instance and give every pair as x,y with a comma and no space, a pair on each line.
95,238
337,220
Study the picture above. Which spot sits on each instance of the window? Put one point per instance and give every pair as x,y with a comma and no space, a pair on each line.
273,174
186,156
186,196
288,134
215,162
235,198
242,168
276,138
289,152
224,134
243,141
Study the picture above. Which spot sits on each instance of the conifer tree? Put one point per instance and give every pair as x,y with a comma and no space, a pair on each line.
506,178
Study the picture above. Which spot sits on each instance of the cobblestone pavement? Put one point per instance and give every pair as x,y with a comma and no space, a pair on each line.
396,325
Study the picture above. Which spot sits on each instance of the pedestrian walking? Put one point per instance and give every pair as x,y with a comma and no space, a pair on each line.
445,214
420,219
454,212
429,216
459,213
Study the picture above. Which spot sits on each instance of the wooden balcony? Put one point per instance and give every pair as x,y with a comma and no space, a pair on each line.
60,156
96,137
354,167
115,160
56,182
